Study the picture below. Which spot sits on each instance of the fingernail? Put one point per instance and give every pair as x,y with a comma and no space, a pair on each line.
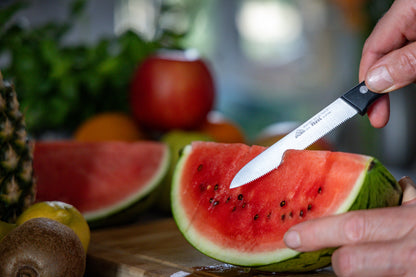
405,181
409,191
292,239
379,79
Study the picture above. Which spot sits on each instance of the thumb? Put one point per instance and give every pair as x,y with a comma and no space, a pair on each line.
394,70
409,191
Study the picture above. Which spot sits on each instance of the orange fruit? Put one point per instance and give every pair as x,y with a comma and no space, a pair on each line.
109,126
221,129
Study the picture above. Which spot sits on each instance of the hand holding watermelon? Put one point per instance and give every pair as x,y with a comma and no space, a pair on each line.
246,226
378,242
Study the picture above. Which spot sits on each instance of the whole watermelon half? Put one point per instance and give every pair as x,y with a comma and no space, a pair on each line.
108,182
245,226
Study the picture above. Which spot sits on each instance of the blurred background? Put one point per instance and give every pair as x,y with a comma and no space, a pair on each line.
272,61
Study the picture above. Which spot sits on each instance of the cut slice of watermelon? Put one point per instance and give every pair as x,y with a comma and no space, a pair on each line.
100,179
245,226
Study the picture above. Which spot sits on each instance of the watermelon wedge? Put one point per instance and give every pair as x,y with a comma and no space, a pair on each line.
245,226
108,182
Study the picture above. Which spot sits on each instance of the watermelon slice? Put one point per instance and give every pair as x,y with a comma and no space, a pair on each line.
108,182
245,226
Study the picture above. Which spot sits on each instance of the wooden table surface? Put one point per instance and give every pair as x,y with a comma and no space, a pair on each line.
157,248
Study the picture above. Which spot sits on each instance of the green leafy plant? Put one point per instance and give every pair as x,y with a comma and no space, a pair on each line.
61,85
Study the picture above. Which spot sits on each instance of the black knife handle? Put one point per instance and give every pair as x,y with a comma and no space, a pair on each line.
360,97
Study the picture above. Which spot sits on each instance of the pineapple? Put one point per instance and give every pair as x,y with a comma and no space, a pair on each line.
17,189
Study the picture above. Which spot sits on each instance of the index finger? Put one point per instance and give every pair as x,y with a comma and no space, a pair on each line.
352,227
392,32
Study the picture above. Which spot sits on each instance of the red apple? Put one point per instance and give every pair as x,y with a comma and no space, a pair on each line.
172,90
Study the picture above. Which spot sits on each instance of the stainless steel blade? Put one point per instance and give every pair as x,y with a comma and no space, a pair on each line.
319,125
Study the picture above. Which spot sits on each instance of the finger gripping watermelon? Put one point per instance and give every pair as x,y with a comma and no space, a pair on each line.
245,226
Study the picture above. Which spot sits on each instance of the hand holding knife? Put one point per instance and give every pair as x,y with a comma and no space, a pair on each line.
355,101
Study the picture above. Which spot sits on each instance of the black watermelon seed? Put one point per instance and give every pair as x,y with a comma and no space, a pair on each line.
216,187
319,190
216,203
283,203
228,199
309,207
256,217
283,217
200,167
211,200
291,214
301,213
240,197
234,208
269,214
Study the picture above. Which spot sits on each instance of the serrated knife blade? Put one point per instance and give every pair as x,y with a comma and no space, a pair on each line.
355,101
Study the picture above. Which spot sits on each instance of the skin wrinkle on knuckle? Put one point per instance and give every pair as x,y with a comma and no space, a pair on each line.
352,261
409,234
354,227
407,63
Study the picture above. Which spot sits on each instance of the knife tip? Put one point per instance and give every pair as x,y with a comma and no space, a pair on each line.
235,183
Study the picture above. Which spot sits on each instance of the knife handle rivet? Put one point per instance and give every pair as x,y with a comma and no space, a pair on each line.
363,89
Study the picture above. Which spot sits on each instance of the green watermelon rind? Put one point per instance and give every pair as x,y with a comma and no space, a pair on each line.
375,188
379,189
135,203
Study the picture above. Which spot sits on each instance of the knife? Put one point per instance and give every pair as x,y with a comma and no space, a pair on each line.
355,101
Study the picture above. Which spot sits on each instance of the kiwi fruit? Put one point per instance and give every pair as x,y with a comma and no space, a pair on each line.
42,247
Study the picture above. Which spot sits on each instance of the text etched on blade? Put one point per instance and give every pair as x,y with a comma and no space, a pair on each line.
312,122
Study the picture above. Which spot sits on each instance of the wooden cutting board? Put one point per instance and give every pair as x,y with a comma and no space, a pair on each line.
156,248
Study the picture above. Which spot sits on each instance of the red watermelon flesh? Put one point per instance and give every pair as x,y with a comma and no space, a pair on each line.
98,178
246,225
